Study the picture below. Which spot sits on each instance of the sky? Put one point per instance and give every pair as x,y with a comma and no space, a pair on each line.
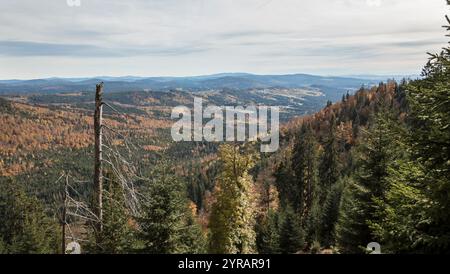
54,38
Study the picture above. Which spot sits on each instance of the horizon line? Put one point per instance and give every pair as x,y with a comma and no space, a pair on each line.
220,73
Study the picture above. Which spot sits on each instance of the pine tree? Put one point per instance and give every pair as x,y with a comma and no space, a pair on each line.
291,233
232,218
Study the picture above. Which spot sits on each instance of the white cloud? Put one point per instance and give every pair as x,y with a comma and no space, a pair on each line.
373,3
173,37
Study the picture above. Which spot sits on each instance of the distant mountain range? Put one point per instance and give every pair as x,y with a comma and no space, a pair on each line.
397,77
233,81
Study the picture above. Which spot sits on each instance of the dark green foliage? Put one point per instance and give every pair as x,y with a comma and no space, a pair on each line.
25,227
329,171
5,106
267,233
377,152
193,238
312,222
116,236
285,181
166,225
200,177
304,164
330,214
3,249
417,210
291,234
380,146
405,224
329,164
351,229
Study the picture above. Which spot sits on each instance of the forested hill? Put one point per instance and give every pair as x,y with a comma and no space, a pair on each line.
353,111
371,168
232,81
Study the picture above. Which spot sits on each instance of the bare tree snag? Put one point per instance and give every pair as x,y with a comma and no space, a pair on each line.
98,176
64,217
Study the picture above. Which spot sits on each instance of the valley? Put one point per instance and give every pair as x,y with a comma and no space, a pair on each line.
47,133
49,122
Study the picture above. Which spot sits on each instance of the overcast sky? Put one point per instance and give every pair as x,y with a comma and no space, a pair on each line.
47,38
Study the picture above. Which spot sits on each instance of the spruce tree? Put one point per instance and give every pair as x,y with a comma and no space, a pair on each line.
404,225
166,224
116,236
304,164
329,164
312,222
286,185
359,212
352,230
291,234
330,214
416,212
267,233
25,227
193,240
329,171
429,101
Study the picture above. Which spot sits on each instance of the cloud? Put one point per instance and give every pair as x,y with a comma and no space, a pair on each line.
373,3
207,36
23,48
428,43
26,48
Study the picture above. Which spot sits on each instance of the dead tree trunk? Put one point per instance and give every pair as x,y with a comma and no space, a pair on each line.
98,176
64,218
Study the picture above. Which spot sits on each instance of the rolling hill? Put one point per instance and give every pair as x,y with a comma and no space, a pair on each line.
235,81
